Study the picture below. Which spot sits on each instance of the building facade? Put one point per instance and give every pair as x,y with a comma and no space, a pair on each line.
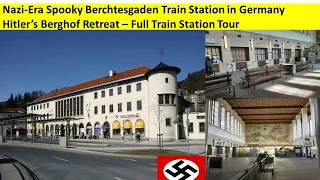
11,112
140,99
235,50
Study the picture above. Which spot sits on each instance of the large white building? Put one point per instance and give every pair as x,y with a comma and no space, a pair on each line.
235,50
138,99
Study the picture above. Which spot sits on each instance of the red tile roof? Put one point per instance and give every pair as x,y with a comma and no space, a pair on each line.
103,80
13,110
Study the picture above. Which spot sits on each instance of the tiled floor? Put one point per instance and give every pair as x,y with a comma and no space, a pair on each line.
231,167
304,84
292,168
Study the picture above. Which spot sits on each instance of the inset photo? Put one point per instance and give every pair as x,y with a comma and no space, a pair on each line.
256,64
262,138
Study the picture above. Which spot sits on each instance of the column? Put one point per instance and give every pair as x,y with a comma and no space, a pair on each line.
239,128
232,125
313,115
208,111
299,126
212,109
291,131
223,118
294,130
228,121
216,113
305,122
316,105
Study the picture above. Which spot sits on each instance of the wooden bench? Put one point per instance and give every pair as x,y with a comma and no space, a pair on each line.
214,83
265,168
260,74
300,66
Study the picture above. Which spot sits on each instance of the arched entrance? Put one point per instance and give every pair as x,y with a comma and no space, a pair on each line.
62,130
81,130
89,129
97,129
106,129
52,129
127,127
140,126
47,129
116,128
57,132
74,130
68,129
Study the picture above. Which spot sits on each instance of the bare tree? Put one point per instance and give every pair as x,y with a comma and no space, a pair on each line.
159,120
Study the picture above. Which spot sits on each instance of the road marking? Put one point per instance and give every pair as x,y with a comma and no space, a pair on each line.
153,164
130,159
60,158
118,178
19,150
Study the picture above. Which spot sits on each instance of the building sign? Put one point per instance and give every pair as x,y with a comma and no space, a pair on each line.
128,116
200,117
210,41
276,45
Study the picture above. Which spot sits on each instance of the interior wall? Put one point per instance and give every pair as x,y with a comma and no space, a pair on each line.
267,134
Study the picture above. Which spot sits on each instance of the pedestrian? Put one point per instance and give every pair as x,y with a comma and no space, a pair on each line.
138,136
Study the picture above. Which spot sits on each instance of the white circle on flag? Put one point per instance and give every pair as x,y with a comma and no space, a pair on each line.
181,169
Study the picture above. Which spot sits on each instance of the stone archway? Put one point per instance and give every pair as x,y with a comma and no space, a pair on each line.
140,127
62,130
106,129
57,130
116,128
89,129
47,129
74,130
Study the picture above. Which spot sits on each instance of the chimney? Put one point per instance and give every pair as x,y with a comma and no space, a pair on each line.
112,73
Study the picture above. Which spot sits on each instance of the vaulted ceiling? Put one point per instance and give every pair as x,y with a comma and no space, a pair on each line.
268,110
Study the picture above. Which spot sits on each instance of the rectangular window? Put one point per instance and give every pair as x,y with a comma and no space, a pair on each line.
168,122
44,106
67,107
128,88
119,90
40,106
61,108
167,80
190,128
167,99
37,107
103,93
103,109
119,107
64,108
71,107
110,92
78,106
215,53
74,106
172,98
95,95
47,105
128,106
160,97
81,105
240,54
56,109
276,53
202,127
138,86
111,108
139,105
261,53
96,110
287,53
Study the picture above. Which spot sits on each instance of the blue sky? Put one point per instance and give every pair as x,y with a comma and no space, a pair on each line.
45,60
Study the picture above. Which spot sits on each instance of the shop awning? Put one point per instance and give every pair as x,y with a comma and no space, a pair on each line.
139,124
116,125
127,124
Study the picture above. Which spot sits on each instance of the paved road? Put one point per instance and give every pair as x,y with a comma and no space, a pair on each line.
51,164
